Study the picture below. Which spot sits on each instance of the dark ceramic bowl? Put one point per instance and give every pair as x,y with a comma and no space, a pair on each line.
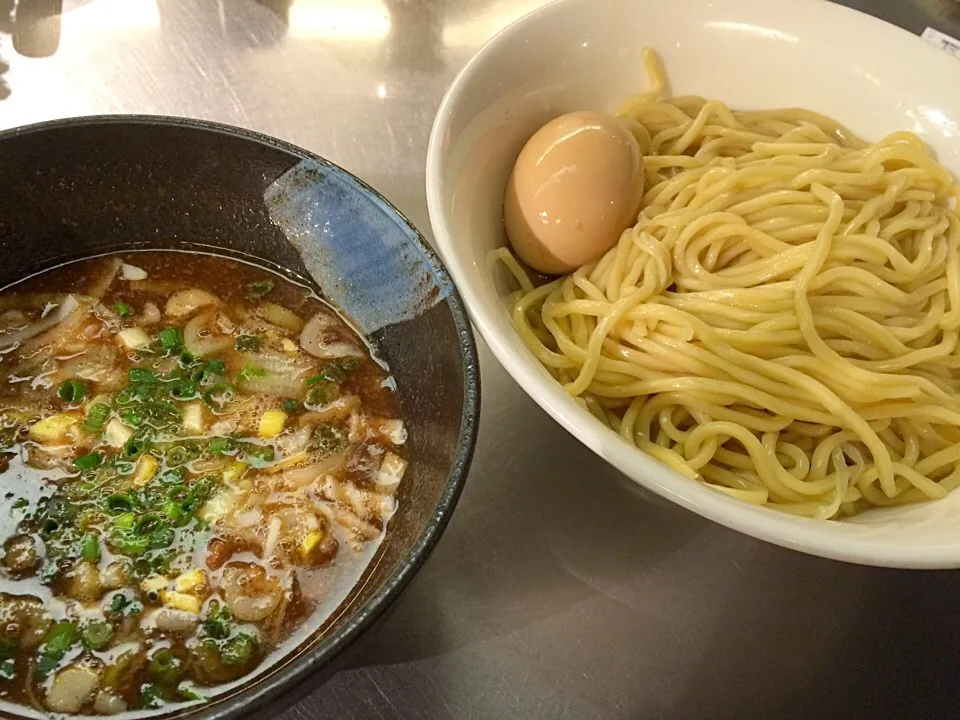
81,187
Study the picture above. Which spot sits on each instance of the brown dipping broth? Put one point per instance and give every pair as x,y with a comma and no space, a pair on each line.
196,454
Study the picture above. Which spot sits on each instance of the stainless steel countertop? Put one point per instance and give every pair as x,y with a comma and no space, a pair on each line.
558,591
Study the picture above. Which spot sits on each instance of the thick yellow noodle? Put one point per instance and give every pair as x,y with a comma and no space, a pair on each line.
782,322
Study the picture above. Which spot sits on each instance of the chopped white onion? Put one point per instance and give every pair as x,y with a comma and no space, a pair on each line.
61,313
393,430
185,302
72,688
117,433
134,338
391,472
200,338
314,339
273,535
132,272
171,620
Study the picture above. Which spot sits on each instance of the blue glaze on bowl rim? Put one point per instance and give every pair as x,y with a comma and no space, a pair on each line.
349,239
269,687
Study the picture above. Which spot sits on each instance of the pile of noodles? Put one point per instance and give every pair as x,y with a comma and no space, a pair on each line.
782,322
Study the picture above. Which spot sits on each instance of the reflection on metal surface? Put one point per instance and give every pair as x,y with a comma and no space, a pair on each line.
601,590
36,27
476,30
100,17
348,20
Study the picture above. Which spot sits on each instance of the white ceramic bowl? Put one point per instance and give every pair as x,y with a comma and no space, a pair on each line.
586,54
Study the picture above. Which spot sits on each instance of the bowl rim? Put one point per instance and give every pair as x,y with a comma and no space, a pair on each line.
640,468
259,693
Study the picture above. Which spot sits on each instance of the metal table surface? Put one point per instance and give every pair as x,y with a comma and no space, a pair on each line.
557,591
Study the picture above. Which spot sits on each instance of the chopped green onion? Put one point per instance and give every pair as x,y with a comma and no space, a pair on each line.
250,371
177,493
90,548
164,667
217,396
49,526
170,338
123,310
257,289
72,391
148,523
97,417
119,503
184,390
217,623
88,461
8,661
60,637
330,439
258,455
177,455
126,520
220,446
217,366
290,406
335,370
238,650
135,447
141,375
162,538
187,359
129,543
96,634
117,603
151,696
323,393
160,564
173,512
248,343
188,692
132,417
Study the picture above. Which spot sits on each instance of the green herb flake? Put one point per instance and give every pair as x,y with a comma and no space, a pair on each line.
72,391
238,650
248,343
257,289
170,338
96,634
97,416
250,371
142,375
88,461
90,548
221,446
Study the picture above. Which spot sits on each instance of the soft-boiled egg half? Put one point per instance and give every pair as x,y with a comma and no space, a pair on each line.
576,186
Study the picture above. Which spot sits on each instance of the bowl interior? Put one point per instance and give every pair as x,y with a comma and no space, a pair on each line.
83,187
580,54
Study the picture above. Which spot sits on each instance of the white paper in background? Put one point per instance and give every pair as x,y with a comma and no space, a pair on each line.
942,41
